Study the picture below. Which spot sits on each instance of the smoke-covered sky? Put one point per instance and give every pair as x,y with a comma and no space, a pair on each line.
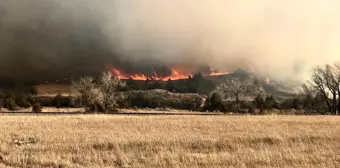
48,39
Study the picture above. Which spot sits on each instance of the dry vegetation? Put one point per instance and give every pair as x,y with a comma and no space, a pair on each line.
169,141
53,89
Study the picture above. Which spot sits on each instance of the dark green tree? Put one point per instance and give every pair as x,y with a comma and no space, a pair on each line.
58,100
259,103
10,104
36,107
213,103
270,103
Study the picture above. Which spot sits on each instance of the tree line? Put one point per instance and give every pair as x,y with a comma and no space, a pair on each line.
233,95
319,95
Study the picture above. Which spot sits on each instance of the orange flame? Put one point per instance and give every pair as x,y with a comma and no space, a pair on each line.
214,73
175,75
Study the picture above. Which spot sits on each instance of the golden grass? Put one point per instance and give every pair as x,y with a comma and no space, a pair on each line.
47,109
169,141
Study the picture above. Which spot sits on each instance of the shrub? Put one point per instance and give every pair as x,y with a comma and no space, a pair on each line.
36,107
1,102
124,103
22,100
31,99
259,103
45,101
160,99
296,104
270,103
214,103
61,101
10,104
293,103
25,104
58,100
251,110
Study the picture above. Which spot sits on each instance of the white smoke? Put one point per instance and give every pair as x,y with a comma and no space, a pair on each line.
282,39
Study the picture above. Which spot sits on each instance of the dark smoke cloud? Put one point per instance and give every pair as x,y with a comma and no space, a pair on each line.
46,40
52,39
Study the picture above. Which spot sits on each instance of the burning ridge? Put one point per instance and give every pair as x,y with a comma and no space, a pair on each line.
175,74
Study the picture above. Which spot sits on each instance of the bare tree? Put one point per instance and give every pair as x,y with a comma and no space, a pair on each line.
108,86
319,84
307,93
84,88
331,85
336,71
237,89
101,94
326,81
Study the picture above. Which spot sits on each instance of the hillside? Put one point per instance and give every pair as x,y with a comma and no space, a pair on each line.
196,84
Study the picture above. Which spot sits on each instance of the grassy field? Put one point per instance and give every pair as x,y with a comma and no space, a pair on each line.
169,141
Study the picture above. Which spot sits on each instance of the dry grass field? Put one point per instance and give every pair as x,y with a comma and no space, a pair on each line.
169,141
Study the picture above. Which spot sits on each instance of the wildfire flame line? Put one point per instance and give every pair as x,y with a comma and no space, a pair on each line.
175,75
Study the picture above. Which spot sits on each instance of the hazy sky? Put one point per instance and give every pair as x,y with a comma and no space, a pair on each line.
281,39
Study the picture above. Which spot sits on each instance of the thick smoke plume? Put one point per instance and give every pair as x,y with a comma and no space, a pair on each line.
45,40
